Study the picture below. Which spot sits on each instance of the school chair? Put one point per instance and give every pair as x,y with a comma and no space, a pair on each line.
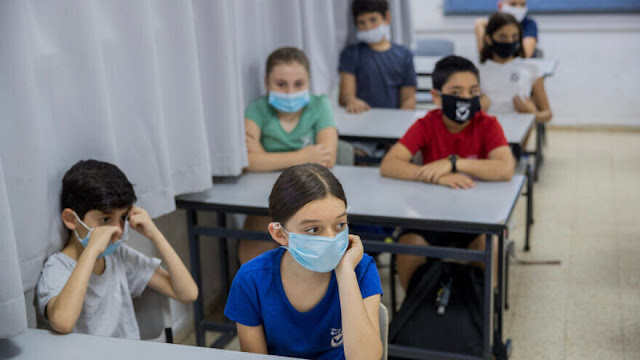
384,329
542,128
434,47
345,154
430,47
153,315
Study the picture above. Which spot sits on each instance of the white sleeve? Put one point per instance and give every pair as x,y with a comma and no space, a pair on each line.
53,278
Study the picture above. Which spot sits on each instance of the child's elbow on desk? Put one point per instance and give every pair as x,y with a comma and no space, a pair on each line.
62,326
508,171
508,175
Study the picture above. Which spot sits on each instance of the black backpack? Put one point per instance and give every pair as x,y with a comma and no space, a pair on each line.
442,310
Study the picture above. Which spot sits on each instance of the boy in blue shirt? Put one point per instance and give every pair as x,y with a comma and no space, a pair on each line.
519,10
376,72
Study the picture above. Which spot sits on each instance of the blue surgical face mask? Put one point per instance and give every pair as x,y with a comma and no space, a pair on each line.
317,253
112,247
289,103
375,35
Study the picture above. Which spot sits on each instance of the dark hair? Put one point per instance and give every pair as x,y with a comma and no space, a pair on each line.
298,186
287,55
359,7
496,21
448,66
95,185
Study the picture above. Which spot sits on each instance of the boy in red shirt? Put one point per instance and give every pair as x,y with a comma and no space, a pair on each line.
459,143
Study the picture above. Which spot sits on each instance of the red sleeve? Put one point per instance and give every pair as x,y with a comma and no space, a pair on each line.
495,135
416,137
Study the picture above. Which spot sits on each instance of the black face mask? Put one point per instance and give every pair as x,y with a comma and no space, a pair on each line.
460,109
505,49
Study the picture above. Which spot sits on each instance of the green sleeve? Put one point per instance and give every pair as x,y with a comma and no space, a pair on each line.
324,114
257,111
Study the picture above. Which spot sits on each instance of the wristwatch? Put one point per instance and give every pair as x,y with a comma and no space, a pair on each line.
453,159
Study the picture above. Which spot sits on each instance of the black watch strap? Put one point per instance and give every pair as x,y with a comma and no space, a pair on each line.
453,159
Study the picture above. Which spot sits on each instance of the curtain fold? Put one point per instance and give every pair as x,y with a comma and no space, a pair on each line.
157,87
12,305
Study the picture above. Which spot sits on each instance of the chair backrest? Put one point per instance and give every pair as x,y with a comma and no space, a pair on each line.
153,315
345,154
434,47
384,329
538,53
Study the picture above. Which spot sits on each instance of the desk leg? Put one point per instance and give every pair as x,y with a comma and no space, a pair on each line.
539,156
487,326
392,283
224,257
194,253
501,295
529,220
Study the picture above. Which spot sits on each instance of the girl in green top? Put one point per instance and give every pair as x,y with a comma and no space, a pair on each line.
285,128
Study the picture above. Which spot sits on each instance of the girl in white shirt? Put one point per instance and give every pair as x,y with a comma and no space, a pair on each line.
511,83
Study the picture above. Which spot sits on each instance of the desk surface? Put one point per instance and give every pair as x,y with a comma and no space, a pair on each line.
42,344
391,124
376,123
425,64
383,200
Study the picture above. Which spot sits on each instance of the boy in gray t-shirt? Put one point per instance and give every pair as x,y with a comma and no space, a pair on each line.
87,287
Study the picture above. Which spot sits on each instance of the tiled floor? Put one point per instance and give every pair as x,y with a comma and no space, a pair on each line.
587,214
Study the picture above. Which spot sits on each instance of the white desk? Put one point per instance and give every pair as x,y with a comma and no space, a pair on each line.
485,209
371,197
34,344
377,124
425,64
389,125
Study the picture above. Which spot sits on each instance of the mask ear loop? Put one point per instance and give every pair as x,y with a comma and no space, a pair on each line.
83,224
279,226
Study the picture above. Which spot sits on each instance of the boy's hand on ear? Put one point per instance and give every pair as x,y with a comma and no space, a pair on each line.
357,106
524,105
101,237
457,181
352,256
433,171
140,221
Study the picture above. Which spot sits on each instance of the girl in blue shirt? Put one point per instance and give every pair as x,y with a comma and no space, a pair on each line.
318,295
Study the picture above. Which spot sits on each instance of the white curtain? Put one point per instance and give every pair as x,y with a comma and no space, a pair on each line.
13,318
157,87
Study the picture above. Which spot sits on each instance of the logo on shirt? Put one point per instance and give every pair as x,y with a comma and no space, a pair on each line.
306,140
336,337
515,77
463,110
